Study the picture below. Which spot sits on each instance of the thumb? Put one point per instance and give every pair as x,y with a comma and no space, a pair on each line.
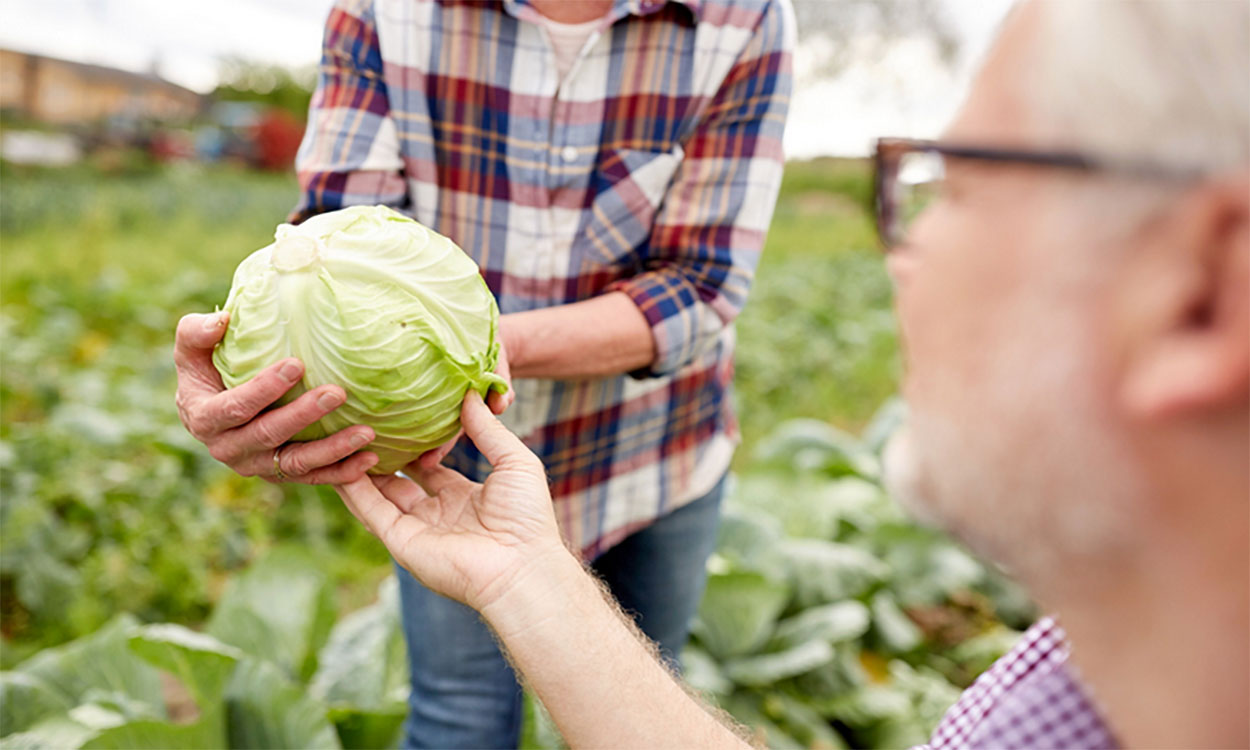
196,331
495,441
195,338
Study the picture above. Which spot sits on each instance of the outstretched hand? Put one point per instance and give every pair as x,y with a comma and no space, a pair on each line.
468,541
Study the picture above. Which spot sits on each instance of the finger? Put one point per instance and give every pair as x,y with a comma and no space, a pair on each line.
434,457
436,479
348,470
495,441
240,404
379,515
404,492
194,340
299,459
499,402
274,428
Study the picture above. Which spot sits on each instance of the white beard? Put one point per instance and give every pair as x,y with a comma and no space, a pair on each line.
1032,478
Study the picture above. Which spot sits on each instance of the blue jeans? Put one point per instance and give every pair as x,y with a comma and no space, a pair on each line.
464,693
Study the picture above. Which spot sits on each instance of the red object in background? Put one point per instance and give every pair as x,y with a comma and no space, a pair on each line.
276,136
171,145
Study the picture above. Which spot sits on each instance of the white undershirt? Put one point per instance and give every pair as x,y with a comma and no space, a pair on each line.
567,39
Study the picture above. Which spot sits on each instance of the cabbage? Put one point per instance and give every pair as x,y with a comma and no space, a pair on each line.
370,300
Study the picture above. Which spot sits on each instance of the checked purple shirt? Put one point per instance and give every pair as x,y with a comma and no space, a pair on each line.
1027,700
651,169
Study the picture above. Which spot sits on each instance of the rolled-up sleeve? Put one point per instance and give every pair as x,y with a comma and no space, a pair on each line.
709,232
350,152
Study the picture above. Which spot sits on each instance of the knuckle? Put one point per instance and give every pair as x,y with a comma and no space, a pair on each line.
197,424
183,329
236,410
295,463
223,452
267,435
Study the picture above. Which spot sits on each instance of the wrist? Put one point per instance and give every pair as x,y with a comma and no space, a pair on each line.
542,590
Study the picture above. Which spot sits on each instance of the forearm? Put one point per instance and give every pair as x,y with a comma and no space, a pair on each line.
602,683
601,336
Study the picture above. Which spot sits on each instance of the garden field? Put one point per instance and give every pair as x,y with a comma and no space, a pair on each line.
150,598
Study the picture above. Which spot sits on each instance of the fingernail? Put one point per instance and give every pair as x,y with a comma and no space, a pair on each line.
212,321
359,440
329,400
291,371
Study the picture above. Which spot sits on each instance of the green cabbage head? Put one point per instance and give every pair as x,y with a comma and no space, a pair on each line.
372,301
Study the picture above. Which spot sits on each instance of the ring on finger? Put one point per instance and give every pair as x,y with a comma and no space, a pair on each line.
277,465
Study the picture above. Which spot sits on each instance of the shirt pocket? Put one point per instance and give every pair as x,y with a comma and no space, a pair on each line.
628,189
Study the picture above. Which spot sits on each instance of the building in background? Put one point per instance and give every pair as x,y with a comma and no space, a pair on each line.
61,92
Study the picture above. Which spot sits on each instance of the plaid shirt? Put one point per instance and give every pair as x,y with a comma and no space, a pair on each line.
652,169
1027,700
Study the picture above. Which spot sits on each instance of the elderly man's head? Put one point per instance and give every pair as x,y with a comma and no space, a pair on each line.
1077,339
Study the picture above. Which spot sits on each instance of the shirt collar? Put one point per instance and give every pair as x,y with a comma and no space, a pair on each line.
620,8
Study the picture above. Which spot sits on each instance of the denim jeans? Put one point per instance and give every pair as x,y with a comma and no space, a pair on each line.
464,693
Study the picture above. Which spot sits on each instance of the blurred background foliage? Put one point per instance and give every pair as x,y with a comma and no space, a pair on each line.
829,621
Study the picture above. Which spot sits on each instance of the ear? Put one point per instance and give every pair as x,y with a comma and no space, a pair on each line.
1194,354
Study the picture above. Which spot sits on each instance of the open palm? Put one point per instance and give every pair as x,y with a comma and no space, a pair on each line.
465,540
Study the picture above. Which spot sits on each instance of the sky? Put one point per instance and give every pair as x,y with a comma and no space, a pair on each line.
906,91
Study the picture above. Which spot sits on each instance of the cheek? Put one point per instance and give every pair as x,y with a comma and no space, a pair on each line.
950,282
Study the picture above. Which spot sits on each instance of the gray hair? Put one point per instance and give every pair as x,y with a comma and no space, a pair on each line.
1165,80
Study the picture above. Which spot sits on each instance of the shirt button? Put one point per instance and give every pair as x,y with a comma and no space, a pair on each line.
569,153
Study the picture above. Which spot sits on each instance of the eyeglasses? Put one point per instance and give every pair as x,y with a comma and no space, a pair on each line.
909,175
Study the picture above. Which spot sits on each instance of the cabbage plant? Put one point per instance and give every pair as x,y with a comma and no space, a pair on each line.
373,301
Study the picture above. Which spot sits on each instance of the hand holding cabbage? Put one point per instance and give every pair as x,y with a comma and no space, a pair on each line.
368,300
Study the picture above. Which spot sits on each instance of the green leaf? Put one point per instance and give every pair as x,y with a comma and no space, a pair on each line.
803,722
748,539
889,417
702,673
53,733
927,567
765,669
24,700
831,623
364,662
201,662
281,609
930,693
363,673
893,626
798,502
265,709
813,445
838,677
860,503
364,728
980,651
102,660
746,708
826,572
45,584
115,707
738,612
866,705
538,731
149,734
